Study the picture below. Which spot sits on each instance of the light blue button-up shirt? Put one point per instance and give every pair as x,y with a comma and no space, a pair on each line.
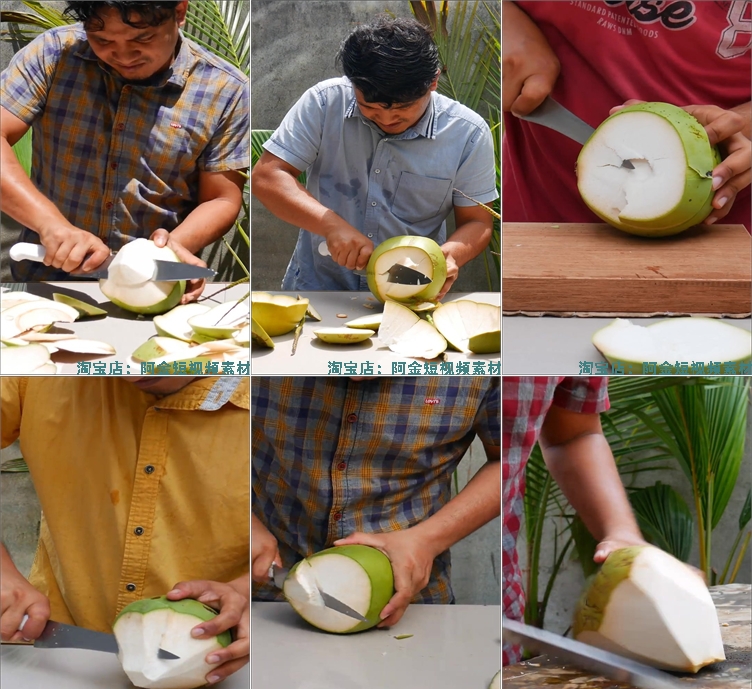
384,185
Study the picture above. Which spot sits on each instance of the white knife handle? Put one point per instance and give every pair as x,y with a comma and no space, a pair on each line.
324,249
28,252
25,617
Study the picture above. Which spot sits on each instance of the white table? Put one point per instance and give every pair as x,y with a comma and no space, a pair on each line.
26,667
123,330
314,357
549,345
452,647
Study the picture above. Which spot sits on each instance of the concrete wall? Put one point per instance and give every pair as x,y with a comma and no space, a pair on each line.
570,580
293,46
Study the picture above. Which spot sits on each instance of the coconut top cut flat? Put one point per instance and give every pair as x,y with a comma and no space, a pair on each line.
670,186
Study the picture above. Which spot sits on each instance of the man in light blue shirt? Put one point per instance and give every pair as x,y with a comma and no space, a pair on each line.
383,153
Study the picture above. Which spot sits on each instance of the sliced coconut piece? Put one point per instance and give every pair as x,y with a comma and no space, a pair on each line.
424,306
668,188
243,336
343,335
129,284
277,314
496,681
16,341
220,322
673,340
78,346
260,336
174,323
419,253
144,628
23,360
48,369
28,314
647,605
359,576
408,334
84,310
469,326
370,322
13,298
311,312
34,336
157,347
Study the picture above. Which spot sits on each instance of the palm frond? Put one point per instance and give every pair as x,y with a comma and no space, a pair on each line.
222,27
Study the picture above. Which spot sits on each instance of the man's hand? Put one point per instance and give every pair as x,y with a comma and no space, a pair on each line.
529,66
724,129
68,248
264,551
453,272
234,612
614,542
18,598
348,247
412,559
193,288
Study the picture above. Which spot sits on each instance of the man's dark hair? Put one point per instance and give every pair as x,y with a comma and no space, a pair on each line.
390,60
146,13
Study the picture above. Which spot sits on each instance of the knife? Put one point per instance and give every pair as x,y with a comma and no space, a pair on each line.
278,575
555,116
587,657
164,271
59,635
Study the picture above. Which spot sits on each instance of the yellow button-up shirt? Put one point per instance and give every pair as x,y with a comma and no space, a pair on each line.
137,492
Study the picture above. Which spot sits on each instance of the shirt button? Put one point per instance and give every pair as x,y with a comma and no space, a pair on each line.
149,469
370,234
352,418
120,126
139,531
108,205
377,171
130,587
373,203
337,516
113,166
341,466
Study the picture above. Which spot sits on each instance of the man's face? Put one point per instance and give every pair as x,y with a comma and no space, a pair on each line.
136,53
397,118
160,385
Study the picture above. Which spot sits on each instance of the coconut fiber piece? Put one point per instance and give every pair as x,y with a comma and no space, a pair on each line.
568,268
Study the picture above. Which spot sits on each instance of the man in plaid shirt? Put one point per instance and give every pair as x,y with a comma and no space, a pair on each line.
562,415
138,132
337,461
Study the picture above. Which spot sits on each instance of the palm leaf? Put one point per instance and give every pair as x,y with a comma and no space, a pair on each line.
22,149
222,27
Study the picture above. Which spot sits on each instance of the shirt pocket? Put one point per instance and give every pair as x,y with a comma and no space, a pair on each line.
419,198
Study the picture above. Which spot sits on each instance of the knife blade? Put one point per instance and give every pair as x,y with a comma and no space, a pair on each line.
278,575
164,271
587,657
403,275
59,635
555,116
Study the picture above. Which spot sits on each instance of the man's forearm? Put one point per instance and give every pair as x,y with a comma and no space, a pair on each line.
205,224
467,241
477,504
242,585
585,470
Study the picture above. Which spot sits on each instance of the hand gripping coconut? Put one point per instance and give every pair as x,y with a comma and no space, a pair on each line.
647,605
357,575
155,645
669,186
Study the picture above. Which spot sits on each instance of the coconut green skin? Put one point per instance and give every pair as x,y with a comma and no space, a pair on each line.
696,201
170,302
260,336
437,259
379,570
275,319
588,613
485,343
187,606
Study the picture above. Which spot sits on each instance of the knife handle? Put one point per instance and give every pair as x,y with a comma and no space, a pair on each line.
24,251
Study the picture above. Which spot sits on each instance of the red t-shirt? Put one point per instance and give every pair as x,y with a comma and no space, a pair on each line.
678,51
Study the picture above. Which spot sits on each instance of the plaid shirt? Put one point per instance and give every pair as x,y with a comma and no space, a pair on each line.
526,403
331,456
122,159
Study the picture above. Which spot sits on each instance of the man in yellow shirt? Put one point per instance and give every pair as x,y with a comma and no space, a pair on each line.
144,488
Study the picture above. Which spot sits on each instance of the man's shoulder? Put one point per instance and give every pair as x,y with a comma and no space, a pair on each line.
225,72
334,88
454,110
69,39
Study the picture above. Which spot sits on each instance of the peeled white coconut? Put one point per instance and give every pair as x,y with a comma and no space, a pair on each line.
669,188
673,340
146,626
343,335
469,326
175,324
22,360
277,314
496,681
647,605
129,284
408,334
357,575
221,321
419,253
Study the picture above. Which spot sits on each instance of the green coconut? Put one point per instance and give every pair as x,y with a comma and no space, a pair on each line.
669,187
419,253
277,314
357,575
647,605
147,626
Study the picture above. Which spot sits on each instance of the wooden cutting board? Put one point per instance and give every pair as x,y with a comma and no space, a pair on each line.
734,605
567,268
